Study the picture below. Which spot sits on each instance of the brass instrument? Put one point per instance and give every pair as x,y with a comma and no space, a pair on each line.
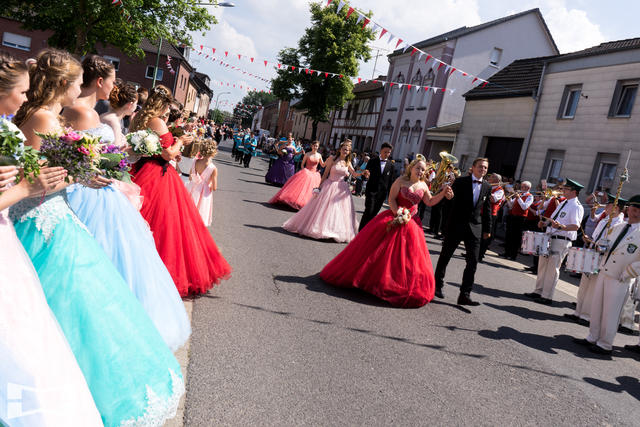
441,172
549,193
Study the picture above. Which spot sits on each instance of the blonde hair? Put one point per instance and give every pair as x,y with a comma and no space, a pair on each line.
49,78
209,148
414,162
159,100
10,70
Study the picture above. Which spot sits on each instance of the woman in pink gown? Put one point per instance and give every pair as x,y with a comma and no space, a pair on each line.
389,261
331,213
298,190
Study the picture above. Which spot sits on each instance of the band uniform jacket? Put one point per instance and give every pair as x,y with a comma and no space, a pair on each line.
463,211
624,262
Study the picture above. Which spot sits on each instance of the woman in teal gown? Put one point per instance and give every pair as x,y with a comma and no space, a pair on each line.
132,374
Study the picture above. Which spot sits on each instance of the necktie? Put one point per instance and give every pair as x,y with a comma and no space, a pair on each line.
620,237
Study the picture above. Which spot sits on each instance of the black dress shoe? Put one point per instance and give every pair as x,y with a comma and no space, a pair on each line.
633,348
572,316
543,301
465,299
599,350
532,295
439,293
583,341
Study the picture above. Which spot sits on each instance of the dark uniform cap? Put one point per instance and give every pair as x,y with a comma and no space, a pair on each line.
574,185
634,201
612,198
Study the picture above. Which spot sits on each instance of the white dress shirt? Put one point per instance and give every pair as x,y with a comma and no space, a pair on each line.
383,163
569,212
477,186
599,233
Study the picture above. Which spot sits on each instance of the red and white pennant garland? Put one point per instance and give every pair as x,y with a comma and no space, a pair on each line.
212,58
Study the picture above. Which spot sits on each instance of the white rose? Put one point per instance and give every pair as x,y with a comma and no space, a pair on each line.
150,145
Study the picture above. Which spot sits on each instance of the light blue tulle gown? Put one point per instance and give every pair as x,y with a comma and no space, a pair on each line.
132,375
126,238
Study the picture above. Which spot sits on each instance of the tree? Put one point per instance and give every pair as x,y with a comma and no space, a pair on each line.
79,25
248,107
333,44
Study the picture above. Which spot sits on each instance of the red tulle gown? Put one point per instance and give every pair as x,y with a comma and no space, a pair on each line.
299,188
393,265
182,240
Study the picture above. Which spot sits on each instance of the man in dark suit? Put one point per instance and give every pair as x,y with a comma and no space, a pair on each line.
468,221
378,184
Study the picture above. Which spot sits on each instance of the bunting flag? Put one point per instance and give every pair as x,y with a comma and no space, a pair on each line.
169,67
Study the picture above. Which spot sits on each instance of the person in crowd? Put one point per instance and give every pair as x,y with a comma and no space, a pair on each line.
283,167
298,190
379,181
562,227
183,241
391,261
118,348
361,181
518,203
250,146
331,214
203,180
123,101
496,200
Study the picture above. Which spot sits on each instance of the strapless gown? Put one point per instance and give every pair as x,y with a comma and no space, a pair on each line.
182,240
393,265
329,214
35,359
299,188
126,238
283,169
133,377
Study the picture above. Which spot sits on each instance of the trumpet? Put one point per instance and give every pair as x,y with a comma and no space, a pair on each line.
549,193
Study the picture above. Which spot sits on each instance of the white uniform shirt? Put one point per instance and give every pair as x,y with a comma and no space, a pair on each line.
599,233
569,212
497,195
524,203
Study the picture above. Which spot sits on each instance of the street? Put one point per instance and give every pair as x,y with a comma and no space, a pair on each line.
274,345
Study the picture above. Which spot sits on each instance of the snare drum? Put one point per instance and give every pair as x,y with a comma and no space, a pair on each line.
535,243
581,260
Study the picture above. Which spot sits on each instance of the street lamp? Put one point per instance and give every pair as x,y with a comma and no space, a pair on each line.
218,97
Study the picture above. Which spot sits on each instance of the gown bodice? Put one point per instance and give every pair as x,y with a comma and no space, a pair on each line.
338,172
104,131
312,164
409,199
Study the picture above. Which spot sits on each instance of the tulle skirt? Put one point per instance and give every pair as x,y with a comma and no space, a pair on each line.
393,265
132,191
183,242
35,358
127,240
298,190
328,215
132,374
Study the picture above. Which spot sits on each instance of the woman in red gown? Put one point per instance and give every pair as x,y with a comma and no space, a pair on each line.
391,261
183,242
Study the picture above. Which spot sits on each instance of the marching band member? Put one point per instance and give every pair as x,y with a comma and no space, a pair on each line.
563,229
597,238
635,296
518,205
627,321
496,200
620,266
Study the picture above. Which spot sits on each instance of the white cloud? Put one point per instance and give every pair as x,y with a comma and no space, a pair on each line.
571,28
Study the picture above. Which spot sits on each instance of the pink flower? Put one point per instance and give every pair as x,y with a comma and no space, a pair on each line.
71,137
83,150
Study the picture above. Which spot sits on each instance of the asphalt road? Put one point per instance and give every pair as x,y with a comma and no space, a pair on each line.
274,345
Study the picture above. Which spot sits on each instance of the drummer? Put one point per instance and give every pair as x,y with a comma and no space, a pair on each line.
562,227
597,238
620,266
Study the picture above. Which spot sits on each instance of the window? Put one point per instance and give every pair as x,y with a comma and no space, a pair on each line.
149,73
370,105
115,61
496,54
553,166
623,98
395,93
426,94
348,115
16,41
355,111
569,103
604,172
413,95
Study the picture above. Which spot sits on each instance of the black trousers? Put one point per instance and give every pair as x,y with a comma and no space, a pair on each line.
485,243
513,241
372,204
247,159
452,238
435,220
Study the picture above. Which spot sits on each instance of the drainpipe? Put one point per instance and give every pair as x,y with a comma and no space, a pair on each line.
527,141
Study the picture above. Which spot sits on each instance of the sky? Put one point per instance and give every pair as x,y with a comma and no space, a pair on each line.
260,28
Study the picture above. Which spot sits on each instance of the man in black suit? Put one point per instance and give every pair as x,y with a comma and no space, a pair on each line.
378,184
468,221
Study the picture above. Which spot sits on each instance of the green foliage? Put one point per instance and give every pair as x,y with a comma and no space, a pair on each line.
333,44
258,98
14,152
79,25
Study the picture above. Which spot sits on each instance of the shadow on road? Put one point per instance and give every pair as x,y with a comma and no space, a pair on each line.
456,306
253,174
527,313
258,182
274,229
625,384
279,206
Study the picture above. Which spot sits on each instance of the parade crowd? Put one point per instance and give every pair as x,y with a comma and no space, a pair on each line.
93,270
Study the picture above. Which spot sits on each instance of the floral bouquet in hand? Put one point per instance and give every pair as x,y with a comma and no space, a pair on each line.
78,153
145,142
403,216
13,151
114,163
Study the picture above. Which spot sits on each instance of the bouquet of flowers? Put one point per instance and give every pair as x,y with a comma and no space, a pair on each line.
145,142
403,216
114,163
78,153
14,152
176,131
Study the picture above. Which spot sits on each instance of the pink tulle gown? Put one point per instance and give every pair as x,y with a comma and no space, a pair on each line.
299,188
329,214
202,196
392,264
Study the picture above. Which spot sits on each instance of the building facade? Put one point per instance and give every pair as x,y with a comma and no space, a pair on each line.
427,122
